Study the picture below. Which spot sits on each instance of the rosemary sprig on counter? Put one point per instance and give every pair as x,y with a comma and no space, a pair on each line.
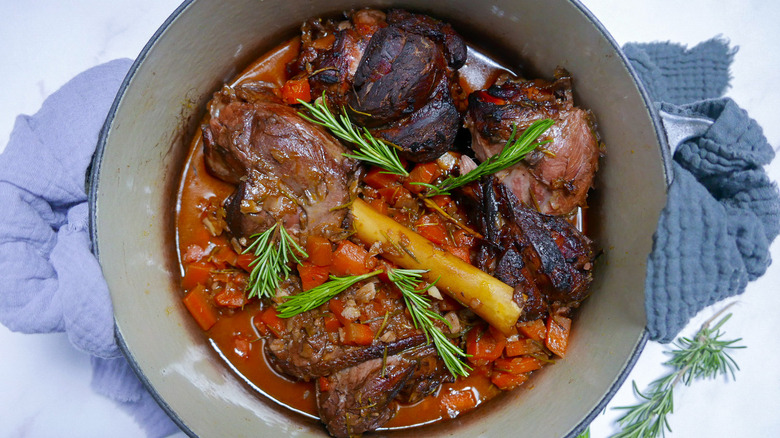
515,149
369,148
704,356
271,263
419,305
319,295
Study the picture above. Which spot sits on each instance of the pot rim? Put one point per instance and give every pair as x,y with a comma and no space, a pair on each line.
93,179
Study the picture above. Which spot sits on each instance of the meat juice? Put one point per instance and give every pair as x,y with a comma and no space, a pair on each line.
233,336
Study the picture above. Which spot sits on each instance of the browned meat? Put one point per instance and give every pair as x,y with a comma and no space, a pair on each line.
360,398
286,168
554,181
400,88
546,259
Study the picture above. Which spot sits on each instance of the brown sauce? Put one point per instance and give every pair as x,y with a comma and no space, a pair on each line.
235,326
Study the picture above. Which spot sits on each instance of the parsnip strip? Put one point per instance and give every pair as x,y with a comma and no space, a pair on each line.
485,295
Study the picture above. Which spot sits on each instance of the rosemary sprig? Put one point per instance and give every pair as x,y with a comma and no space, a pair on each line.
704,356
369,148
407,281
319,295
514,150
271,263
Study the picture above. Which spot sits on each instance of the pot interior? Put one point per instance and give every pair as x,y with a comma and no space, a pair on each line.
204,44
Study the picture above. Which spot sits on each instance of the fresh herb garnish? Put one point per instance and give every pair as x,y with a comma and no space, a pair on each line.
319,295
704,356
271,263
369,148
514,150
407,281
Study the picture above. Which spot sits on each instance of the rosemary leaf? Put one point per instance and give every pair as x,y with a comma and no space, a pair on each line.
704,356
271,263
319,295
407,281
368,148
513,152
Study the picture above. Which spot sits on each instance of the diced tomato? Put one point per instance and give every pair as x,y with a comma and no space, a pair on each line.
456,402
324,384
337,307
319,250
242,346
517,365
197,302
244,261
484,345
295,89
332,324
193,253
271,319
535,329
312,275
196,274
358,334
507,381
379,178
422,173
379,205
231,297
350,259
523,346
558,328
461,252
432,228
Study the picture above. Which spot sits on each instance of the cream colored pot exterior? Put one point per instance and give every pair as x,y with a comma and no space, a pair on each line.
205,43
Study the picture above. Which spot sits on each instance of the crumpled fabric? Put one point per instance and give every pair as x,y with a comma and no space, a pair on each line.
51,280
712,237
722,211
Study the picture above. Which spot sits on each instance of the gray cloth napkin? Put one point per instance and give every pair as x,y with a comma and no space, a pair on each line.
51,280
712,237
722,211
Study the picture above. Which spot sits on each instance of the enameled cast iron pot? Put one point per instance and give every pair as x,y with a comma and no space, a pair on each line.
205,43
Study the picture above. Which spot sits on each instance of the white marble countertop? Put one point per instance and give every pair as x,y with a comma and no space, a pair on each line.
44,381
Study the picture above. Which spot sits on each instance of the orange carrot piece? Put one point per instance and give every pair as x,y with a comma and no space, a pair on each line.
242,346
332,323
456,402
350,259
507,381
324,384
535,329
271,319
431,227
378,179
520,347
320,250
195,274
336,307
461,252
243,261
422,173
517,365
358,334
558,328
379,205
230,297
484,345
312,275
295,89
197,302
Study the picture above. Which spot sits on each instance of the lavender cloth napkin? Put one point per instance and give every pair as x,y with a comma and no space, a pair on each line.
52,281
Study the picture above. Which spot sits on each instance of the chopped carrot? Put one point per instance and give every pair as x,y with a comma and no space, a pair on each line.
242,346
223,256
463,238
456,402
324,384
350,259
332,324
197,302
195,274
432,228
535,329
260,325
517,365
484,345
358,334
295,89
271,319
523,346
422,173
461,252
244,261
507,381
312,275
443,201
193,254
379,205
394,194
378,178
558,334
231,297
319,250
337,307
